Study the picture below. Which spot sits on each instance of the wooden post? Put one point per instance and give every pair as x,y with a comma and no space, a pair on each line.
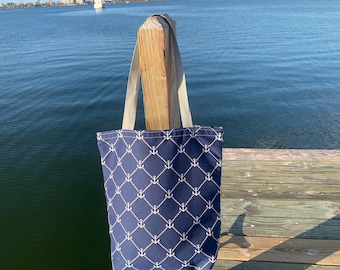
158,74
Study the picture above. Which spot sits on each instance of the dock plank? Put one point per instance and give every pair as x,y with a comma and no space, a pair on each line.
278,179
280,154
251,265
307,251
273,195
295,209
290,219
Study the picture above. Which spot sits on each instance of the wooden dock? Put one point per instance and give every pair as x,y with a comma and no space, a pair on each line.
280,209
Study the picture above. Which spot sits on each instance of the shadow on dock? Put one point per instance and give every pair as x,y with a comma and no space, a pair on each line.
312,247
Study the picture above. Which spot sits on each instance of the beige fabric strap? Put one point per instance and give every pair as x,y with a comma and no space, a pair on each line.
130,108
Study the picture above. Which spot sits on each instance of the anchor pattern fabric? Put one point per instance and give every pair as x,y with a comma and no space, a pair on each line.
163,196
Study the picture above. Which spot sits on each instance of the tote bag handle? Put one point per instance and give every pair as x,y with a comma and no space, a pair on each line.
130,108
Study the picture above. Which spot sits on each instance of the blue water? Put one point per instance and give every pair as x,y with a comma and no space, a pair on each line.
267,71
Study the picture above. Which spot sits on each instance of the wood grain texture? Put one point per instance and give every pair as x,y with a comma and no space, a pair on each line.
280,154
250,265
326,252
157,62
280,209
281,179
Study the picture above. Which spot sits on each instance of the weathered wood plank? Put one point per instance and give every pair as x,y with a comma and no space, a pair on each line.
158,75
282,227
237,265
298,209
306,251
281,180
246,168
280,154
273,191
268,196
308,219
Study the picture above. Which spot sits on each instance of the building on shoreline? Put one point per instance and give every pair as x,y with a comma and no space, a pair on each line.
72,2
48,3
10,5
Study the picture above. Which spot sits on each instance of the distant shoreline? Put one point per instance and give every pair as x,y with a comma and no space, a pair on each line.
12,5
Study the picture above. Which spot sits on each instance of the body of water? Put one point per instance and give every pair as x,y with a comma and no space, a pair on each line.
267,71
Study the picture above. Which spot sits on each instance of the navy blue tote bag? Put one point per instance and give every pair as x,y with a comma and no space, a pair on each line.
162,188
